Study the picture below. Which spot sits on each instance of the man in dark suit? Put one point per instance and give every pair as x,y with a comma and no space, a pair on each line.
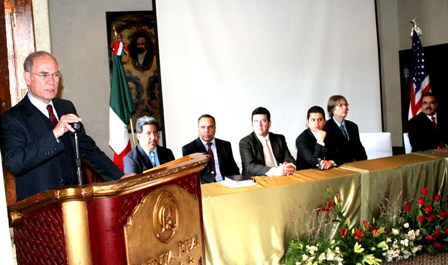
36,142
147,154
311,149
428,130
221,163
263,152
342,140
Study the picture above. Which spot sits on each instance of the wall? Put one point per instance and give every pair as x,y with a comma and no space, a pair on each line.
78,35
79,42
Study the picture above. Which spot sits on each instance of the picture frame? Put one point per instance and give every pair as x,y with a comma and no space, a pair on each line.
137,30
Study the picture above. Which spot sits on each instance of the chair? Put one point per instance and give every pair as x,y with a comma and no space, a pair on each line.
407,143
377,144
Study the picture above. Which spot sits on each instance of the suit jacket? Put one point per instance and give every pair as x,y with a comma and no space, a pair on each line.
137,161
38,160
252,156
308,150
339,149
422,133
226,161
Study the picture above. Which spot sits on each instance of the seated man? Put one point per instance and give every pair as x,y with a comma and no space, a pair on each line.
428,130
310,144
147,154
342,140
263,152
221,161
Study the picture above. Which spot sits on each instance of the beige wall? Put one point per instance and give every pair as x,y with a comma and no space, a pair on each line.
394,32
78,40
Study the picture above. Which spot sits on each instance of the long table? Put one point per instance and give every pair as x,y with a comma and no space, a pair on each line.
253,225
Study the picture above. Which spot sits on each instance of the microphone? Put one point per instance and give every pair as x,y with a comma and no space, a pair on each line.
76,126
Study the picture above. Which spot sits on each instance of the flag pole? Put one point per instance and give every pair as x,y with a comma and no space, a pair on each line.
132,133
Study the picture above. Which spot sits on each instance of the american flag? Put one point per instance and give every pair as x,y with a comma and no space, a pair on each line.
420,79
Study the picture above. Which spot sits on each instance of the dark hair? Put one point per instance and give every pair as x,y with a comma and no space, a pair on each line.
315,109
28,63
145,120
262,111
207,116
332,103
429,94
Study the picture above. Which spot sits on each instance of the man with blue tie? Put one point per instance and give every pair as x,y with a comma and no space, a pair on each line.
147,154
342,139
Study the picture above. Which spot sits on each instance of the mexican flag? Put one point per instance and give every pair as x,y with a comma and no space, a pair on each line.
121,107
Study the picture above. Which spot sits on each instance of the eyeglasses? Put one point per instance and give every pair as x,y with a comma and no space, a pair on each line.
45,75
340,105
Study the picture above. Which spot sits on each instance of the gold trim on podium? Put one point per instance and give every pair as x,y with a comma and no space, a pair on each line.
166,172
76,231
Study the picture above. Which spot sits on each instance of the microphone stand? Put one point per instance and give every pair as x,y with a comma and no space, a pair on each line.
77,127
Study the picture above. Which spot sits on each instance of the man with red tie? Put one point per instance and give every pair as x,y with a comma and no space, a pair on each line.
428,130
36,142
221,162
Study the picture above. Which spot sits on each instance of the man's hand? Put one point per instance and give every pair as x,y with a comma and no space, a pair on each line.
64,124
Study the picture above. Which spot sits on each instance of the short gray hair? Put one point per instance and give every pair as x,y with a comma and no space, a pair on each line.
145,120
28,63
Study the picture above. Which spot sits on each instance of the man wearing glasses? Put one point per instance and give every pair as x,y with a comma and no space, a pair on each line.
342,140
36,140
147,154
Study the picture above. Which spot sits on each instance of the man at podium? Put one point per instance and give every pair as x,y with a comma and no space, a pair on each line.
36,134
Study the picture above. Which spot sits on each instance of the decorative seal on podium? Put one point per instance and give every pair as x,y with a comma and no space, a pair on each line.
165,217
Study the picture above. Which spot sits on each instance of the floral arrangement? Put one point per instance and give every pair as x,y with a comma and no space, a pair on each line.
399,233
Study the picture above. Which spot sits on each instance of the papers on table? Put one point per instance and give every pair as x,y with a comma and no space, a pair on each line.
238,181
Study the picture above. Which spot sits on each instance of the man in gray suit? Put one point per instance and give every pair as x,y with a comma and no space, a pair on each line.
263,152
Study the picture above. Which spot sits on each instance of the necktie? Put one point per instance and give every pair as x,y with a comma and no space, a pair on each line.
53,118
270,161
434,122
153,160
441,143
344,132
212,157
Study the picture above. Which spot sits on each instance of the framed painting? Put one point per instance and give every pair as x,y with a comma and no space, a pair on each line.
137,30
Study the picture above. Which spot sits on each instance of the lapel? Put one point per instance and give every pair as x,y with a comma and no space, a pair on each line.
199,146
258,148
34,118
144,156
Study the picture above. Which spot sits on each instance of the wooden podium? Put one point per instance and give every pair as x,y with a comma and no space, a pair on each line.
152,218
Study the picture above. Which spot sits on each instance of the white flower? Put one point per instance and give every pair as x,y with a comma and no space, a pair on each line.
395,231
330,255
406,225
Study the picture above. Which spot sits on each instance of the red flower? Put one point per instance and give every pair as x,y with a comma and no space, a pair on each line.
328,208
443,214
421,201
365,223
343,232
446,230
437,245
428,209
421,219
407,207
431,218
431,238
373,228
425,191
359,234
437,232
436,197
